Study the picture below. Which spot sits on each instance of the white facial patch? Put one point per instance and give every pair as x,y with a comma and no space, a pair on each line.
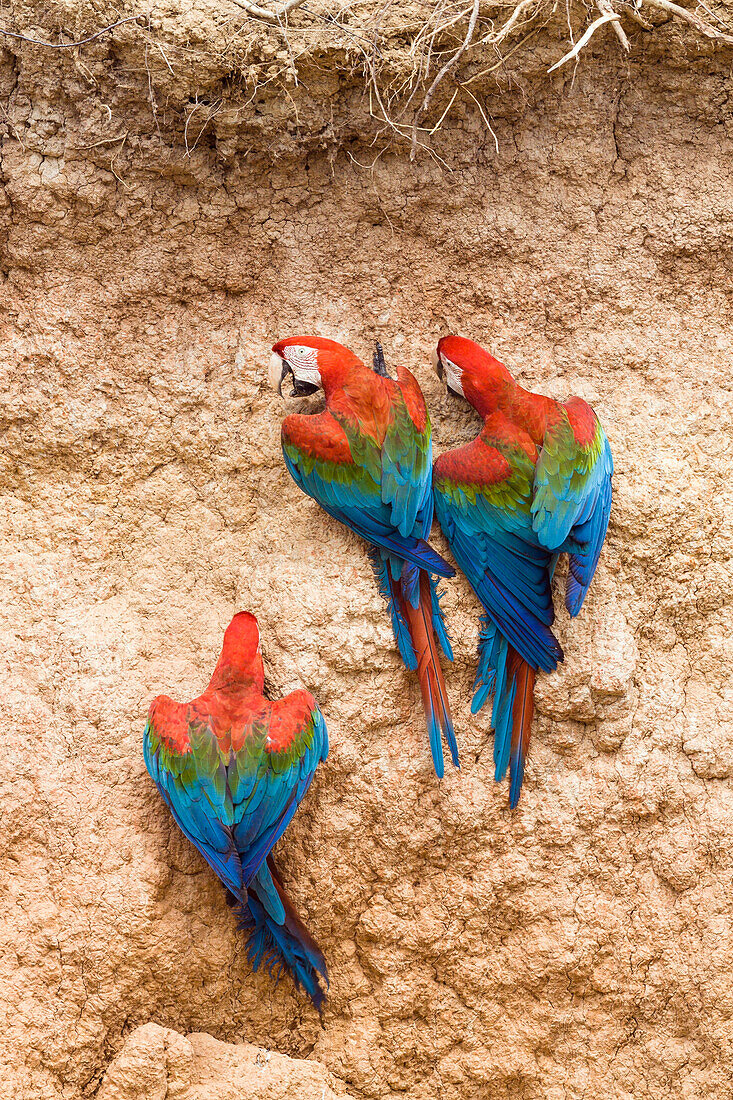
304,362
453,375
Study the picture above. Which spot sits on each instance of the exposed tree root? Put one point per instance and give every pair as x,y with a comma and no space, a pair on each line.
438,55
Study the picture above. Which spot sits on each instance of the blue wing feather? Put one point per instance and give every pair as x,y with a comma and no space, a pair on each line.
571,505
583,563
513,587
212,838
368,517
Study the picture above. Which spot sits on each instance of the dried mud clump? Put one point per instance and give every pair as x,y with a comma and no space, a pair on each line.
171,200
156,1063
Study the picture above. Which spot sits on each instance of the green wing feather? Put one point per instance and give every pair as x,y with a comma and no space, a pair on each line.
568,479
235,806
407,459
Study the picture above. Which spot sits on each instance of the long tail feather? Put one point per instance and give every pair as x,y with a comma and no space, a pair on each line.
502,671
399,625
280,946
419,621
492,647
523,676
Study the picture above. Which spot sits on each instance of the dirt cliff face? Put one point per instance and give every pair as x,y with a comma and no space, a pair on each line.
580,946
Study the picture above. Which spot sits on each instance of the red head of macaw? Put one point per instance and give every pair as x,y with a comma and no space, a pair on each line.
535,483
313,362
367,460
232,768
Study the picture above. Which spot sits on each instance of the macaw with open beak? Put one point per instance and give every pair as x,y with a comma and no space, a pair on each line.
367,459
535,483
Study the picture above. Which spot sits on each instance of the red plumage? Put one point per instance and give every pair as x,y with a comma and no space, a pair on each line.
534,484
366,460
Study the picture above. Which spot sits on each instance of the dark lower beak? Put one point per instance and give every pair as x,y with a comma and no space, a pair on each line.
303,389
300,389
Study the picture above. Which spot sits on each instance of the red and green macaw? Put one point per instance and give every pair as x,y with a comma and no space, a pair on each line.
535,483
366,459
232,768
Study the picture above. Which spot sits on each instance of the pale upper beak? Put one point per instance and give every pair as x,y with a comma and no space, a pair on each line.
276,373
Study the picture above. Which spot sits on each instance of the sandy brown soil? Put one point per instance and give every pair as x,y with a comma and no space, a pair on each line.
579,947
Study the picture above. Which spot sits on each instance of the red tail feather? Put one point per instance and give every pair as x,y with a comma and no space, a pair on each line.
522,714
429,673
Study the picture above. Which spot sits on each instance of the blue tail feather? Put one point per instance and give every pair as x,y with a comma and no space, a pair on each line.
399,626
516,775
436,730
436,742
279,946
497,675
490,644
450,736
501,720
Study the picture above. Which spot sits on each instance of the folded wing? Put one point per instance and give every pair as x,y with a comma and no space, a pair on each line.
234,806
183,758
270,775
483,503
407,460
342,469
572,494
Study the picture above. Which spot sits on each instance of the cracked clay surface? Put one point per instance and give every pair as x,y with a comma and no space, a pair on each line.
579,947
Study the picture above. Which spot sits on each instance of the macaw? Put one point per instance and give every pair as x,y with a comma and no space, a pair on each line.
232,768
367,460
535,483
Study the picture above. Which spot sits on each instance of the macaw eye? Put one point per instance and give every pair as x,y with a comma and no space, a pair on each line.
302,358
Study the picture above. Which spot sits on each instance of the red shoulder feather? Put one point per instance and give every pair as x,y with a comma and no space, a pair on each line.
170,722
288,718
318,436
475,464
583,421
413,398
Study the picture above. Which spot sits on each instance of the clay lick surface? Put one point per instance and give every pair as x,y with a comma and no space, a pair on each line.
578,947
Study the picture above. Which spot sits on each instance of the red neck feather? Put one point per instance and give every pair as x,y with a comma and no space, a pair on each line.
240,665
490,388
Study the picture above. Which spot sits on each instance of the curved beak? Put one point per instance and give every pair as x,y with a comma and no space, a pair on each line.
277,371
439,368
301,388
